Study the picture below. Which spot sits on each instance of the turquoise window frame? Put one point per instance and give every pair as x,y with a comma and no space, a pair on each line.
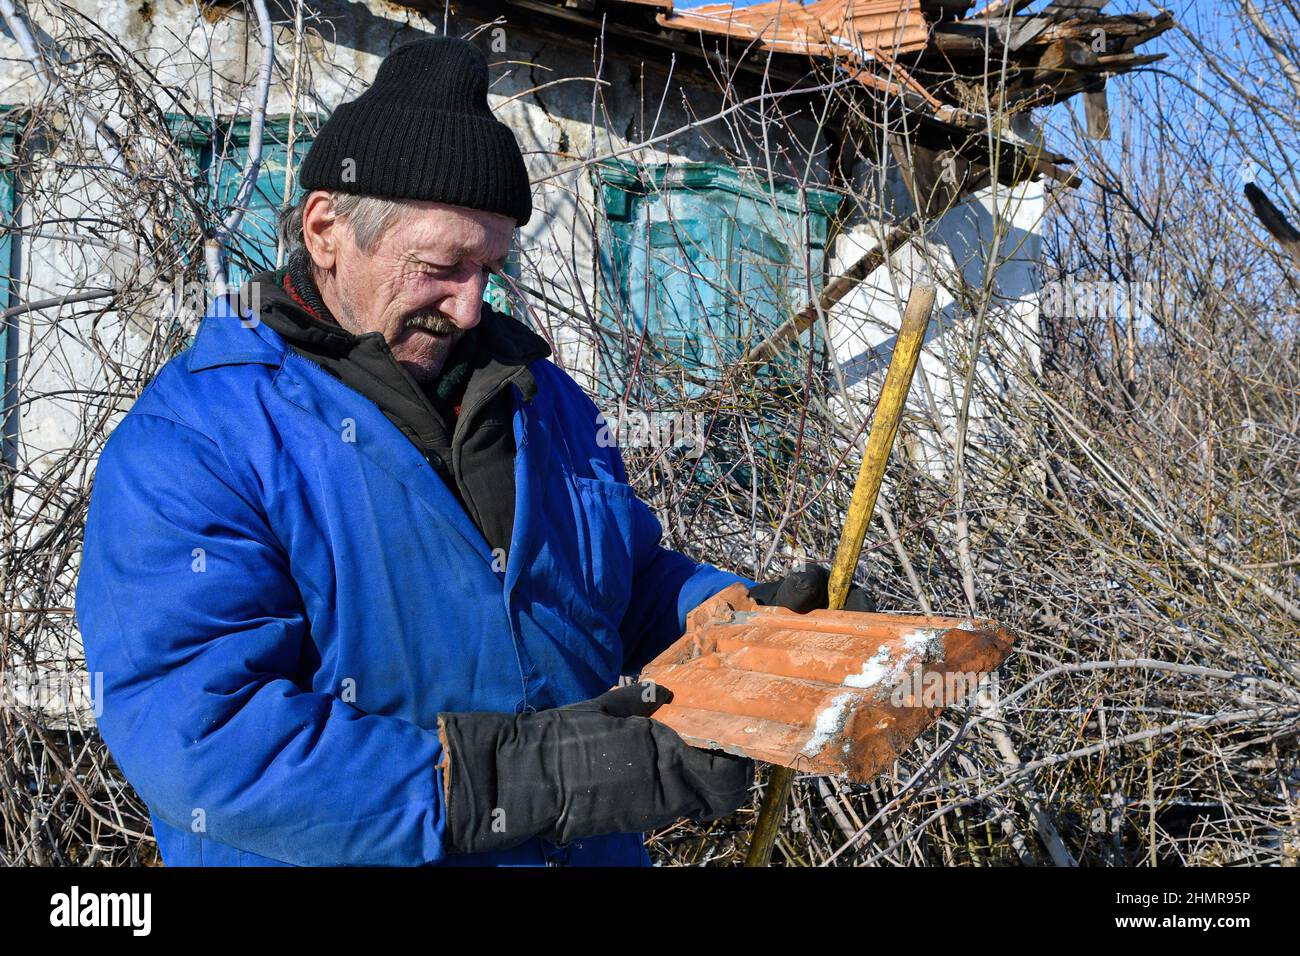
701,264
11,251
497,292
257,241
219,153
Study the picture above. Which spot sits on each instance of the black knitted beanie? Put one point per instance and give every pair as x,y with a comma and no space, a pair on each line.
424,131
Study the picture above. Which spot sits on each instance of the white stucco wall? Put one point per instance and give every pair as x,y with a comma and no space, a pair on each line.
999,223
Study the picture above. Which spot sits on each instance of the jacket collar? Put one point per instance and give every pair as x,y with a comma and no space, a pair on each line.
232,333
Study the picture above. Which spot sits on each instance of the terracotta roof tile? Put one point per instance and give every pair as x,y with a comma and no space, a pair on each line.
826,692
867,29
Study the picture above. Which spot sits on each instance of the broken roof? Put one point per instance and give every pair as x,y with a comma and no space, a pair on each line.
942,63
824,28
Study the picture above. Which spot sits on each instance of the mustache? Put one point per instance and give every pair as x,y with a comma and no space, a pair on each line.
430,322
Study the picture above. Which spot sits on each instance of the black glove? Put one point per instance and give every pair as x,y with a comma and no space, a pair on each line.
600,766
807,590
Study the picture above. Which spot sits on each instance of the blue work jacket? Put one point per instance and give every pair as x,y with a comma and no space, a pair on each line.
281,595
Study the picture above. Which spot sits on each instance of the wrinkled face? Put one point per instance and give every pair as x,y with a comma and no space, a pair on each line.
420,285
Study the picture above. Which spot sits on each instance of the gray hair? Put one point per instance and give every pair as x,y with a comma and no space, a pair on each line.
368,216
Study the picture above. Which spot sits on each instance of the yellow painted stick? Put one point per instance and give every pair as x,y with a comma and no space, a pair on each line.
884,427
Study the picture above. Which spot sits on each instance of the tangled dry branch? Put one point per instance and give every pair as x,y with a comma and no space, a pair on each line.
1126,505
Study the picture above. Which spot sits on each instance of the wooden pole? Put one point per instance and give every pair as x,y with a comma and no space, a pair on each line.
884,427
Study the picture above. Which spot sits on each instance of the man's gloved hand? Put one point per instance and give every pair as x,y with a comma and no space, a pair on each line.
807,590
596,767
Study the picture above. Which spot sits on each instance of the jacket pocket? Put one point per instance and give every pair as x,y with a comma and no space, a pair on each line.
608,516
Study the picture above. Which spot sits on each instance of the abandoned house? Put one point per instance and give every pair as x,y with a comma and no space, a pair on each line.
709,183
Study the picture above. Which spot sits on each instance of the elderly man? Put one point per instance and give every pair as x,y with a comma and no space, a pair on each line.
358,574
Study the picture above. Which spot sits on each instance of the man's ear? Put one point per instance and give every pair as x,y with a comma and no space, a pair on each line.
321,229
